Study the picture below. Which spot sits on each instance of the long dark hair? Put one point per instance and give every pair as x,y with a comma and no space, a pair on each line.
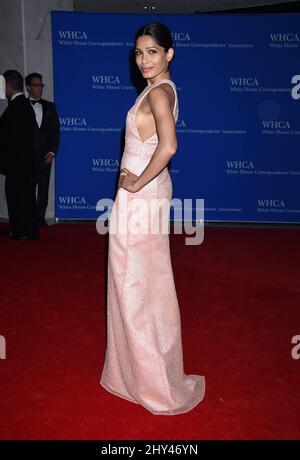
159,32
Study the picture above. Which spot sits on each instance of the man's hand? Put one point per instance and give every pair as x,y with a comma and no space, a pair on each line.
48,158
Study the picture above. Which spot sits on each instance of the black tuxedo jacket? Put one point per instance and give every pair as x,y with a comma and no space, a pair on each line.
46,138
17,125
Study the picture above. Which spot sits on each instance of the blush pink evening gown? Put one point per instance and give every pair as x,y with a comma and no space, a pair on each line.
143,359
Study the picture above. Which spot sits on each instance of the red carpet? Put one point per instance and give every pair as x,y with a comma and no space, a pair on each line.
239,299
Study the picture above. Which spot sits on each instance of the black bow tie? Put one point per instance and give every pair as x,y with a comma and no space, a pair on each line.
35,102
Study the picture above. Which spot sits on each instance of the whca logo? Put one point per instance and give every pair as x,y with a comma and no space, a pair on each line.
239,164
271,203
72,35
244,81
276,124
181,37
72,200
72,121
284,37
112,162
106,79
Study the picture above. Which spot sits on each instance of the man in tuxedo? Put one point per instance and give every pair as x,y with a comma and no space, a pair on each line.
46,139
17,160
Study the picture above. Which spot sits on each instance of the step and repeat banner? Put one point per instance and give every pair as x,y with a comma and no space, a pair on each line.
238,83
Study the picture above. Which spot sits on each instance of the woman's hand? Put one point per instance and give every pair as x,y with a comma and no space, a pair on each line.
127,180
121,178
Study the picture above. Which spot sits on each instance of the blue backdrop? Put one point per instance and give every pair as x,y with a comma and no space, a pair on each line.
239,119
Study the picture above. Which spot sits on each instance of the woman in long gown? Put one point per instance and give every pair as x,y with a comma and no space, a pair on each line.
144,360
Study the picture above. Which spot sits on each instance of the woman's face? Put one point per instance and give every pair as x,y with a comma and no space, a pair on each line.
151,58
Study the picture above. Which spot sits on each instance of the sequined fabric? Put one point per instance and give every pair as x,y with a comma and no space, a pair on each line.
143,359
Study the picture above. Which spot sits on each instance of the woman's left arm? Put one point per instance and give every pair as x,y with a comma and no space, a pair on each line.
160,104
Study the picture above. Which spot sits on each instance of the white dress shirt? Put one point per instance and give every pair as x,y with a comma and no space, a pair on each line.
38,110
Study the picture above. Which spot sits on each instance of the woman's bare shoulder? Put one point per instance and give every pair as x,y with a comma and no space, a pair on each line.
161,94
